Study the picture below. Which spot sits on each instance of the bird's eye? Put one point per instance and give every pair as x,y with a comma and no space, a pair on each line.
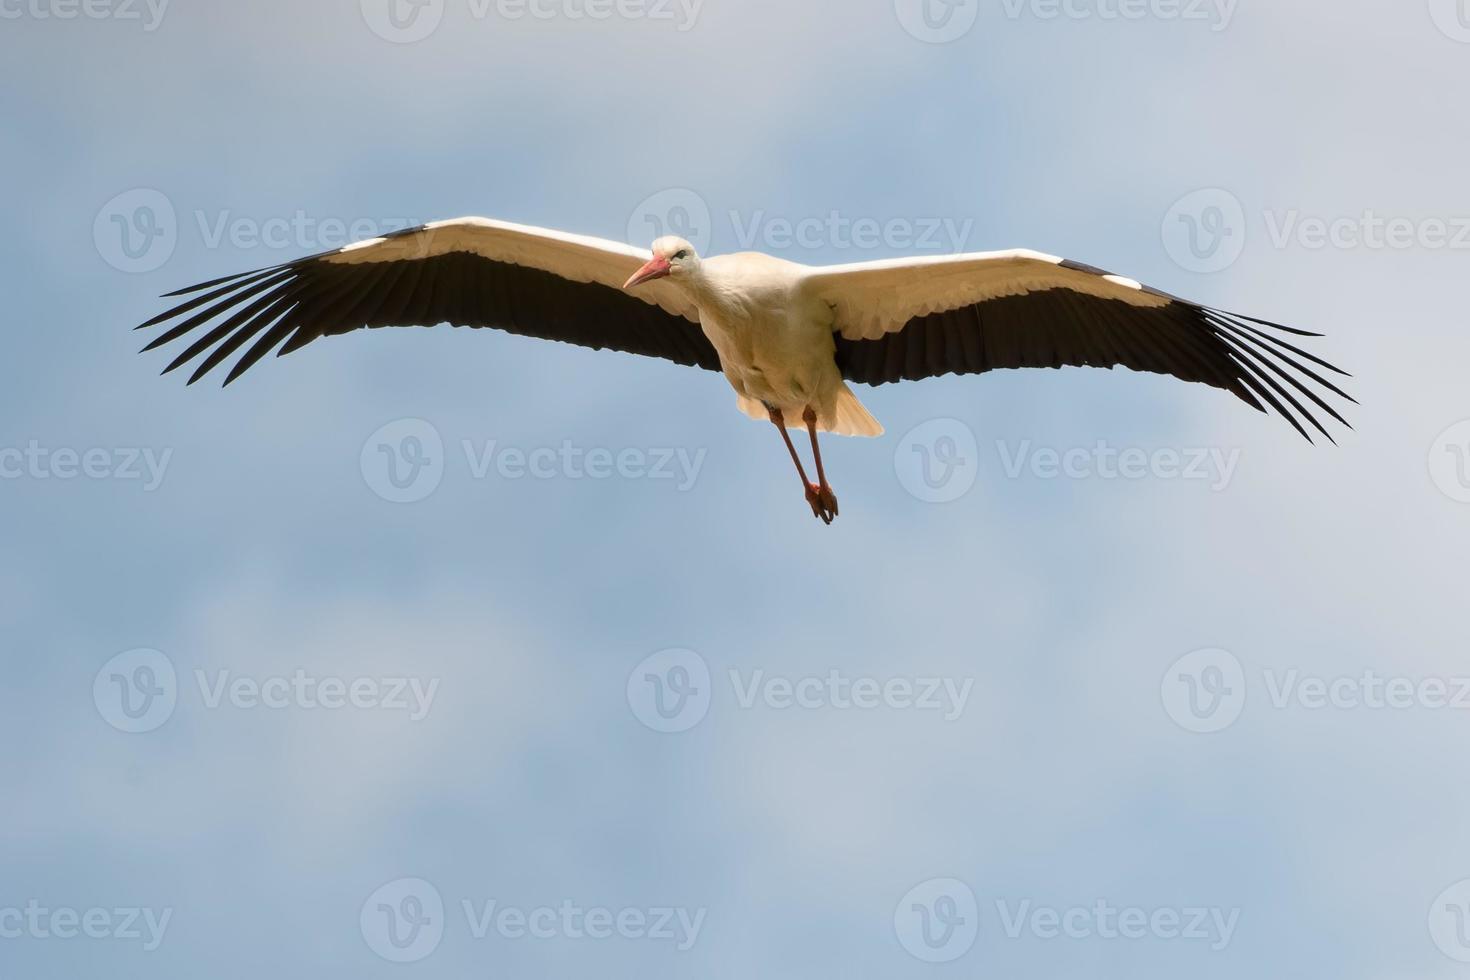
682,254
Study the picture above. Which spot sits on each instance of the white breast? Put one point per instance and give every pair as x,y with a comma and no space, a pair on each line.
775,344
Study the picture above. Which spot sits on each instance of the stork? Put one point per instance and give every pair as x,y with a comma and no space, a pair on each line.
788,337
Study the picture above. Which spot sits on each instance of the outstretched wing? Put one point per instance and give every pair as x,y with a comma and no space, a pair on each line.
908,319
470,272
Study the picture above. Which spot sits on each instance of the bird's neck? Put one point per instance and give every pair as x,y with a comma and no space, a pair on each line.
705,288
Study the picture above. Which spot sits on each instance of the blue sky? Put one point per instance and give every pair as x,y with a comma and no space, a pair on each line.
1205,719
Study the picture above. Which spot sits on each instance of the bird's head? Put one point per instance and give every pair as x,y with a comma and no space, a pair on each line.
673,258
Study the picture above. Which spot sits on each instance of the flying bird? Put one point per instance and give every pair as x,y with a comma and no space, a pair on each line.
789,338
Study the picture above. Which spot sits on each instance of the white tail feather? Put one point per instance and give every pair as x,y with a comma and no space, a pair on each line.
848,417
852,418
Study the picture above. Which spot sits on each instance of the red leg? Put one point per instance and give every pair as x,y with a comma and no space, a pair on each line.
824,489
813,493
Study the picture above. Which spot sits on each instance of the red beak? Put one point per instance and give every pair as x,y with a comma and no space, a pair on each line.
657,268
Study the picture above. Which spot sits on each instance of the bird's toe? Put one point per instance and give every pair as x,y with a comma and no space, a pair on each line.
829,501
823,503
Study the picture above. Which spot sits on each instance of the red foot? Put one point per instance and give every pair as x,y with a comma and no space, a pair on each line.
823,503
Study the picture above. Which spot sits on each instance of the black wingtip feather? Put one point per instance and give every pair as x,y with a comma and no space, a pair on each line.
1275,326
201,287
1260,365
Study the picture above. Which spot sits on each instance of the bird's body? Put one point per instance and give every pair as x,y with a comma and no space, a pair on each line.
775,341
789,338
